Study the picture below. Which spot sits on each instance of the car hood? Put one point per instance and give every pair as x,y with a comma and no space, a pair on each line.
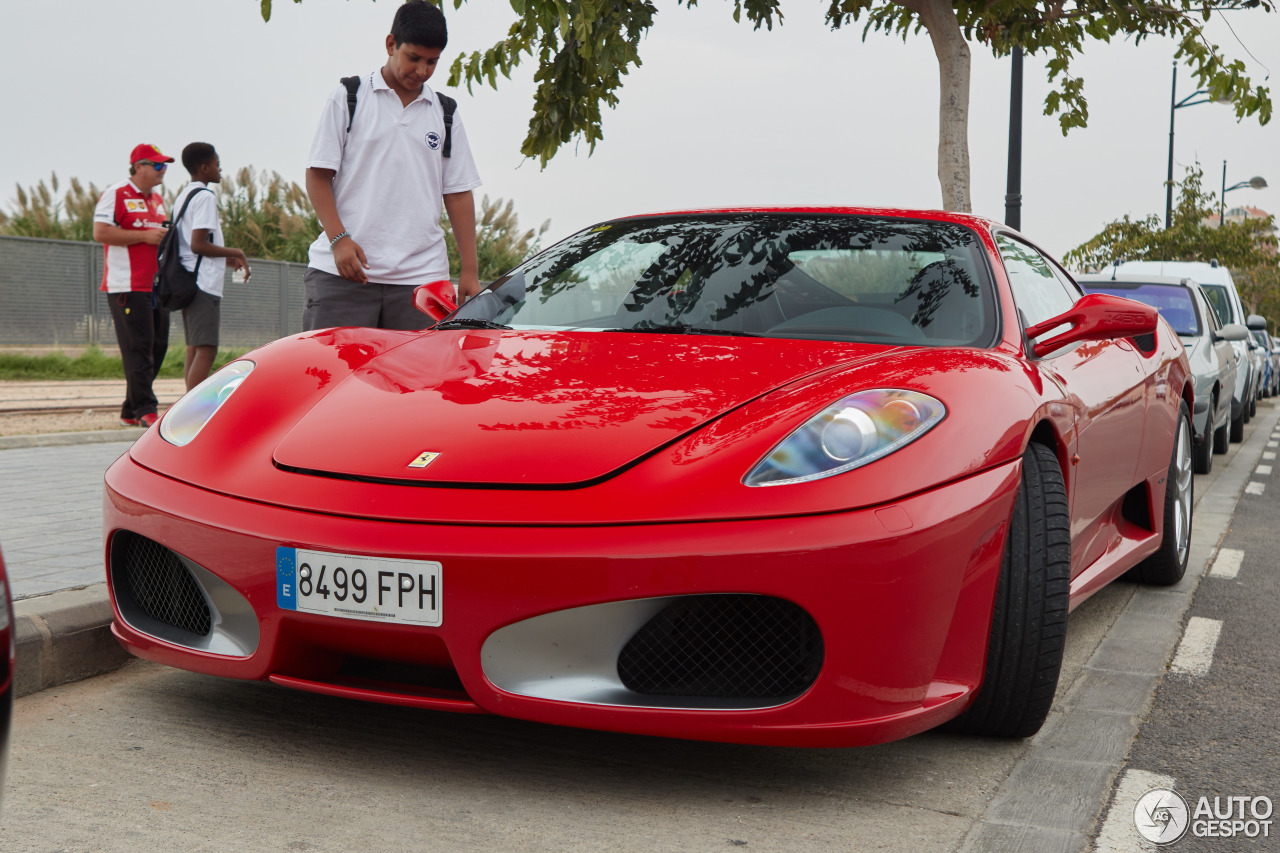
536,409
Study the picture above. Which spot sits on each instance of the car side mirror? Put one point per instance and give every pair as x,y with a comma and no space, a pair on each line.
435,299
1233,332
1256,323
1096,317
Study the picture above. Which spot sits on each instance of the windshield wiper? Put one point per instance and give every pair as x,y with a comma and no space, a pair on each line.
677,329
469,323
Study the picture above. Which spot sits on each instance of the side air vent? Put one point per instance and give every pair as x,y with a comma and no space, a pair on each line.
153,578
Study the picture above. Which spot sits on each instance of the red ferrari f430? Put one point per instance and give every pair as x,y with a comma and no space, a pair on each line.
818,477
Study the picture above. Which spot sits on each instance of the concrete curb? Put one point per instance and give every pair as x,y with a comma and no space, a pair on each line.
61,439
64,637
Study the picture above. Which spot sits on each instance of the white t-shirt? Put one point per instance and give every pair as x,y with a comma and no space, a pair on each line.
390,179
201,213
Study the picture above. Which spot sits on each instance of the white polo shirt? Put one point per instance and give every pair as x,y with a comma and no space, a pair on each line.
201,213
390,179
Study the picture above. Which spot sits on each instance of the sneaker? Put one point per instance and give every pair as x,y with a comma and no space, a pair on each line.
130,422
148,419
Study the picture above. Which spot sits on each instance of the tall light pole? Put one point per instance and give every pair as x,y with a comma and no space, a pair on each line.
1174,106
1013,187
1256,182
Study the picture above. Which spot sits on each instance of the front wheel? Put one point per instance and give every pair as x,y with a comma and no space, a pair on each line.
1029,621
1167,566
1222,439
1203,453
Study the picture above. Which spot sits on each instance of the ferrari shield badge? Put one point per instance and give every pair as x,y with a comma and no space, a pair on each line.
422,460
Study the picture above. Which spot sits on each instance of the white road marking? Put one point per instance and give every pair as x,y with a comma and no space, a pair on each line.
1195,652
1227,563
1255,488
1118,833
1267,454
1263,470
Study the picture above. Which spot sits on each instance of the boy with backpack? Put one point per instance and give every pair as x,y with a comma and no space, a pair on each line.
202,251
386,155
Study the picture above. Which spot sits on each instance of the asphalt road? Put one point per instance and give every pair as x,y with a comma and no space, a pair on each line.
154,759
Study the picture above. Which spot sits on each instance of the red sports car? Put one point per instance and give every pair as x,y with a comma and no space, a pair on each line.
806,476
6,670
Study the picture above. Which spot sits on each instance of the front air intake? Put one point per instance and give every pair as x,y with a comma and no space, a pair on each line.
148,577
724,646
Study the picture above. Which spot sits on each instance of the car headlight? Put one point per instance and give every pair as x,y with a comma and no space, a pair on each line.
188,416
848,434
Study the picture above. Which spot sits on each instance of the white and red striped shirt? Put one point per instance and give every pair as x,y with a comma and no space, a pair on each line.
133,267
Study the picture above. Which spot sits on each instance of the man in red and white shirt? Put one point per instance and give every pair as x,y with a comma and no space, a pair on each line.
129,221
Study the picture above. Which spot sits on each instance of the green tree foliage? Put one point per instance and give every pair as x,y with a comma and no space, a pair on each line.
38,213
266,216
1236,245
1247,248
1259,288
583,48
500,244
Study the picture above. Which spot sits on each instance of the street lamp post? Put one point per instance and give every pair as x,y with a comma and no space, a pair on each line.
1013,186
1256,182
1174,106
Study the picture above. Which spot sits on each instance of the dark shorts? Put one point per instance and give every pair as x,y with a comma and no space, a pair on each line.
200,320
334,301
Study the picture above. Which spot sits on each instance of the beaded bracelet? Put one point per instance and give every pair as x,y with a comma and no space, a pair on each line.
335,240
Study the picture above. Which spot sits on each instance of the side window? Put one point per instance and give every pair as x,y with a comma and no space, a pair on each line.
1037,288
1206,311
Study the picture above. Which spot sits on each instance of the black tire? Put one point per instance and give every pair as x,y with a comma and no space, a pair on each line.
1253,406
1222,439
1029,622
1237,426
1167,566
1203,451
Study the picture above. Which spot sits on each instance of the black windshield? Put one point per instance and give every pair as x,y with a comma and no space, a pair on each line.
828,277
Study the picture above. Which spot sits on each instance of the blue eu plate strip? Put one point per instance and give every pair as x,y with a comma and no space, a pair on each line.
287,578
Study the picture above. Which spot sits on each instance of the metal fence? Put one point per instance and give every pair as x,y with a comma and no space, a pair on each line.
49,297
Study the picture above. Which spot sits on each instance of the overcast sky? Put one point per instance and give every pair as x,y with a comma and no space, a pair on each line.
718,115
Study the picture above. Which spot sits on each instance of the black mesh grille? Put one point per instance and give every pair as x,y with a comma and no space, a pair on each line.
724,646
157,583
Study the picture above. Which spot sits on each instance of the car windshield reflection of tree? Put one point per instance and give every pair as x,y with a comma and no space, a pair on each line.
826,277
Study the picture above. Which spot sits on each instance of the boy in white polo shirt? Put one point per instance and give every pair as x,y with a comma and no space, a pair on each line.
377,180
202,250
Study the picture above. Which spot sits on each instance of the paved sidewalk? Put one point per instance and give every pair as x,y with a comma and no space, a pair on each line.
51,538
51,514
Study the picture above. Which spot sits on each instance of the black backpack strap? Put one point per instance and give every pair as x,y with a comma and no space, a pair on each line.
353,86
186,201
450,106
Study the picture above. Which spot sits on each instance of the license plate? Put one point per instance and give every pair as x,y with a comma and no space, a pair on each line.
375,589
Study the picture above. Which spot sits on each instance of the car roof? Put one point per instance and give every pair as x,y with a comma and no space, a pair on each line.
1101,278
1202,271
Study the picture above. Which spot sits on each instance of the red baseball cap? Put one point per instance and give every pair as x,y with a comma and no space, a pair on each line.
148,152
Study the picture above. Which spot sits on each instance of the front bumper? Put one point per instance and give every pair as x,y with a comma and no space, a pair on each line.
901,594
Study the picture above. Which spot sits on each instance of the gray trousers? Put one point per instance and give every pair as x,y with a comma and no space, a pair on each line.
335,301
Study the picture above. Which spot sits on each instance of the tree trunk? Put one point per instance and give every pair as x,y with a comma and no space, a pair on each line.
939,19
